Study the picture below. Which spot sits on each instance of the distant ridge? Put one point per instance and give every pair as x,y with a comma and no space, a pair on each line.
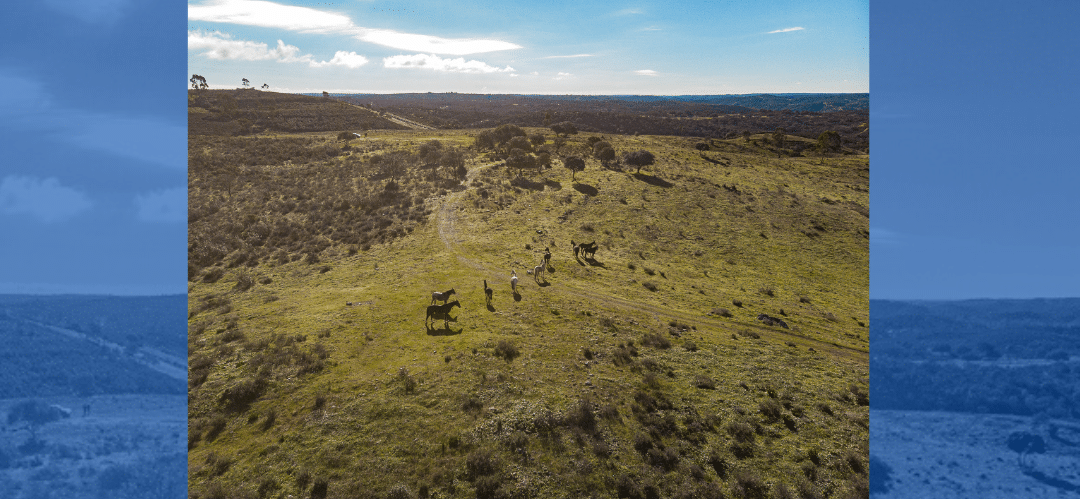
812,102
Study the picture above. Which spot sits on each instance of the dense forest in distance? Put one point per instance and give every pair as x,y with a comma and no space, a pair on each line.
983,356
240,112
38,361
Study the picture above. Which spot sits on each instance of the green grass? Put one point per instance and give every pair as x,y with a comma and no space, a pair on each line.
372,402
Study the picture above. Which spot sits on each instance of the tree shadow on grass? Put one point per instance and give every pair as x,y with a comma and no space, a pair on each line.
555,185
444,331
595,263
653,180
1051,481
525,183
543,284
586,189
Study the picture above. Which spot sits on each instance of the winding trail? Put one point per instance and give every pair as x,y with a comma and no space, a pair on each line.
447,226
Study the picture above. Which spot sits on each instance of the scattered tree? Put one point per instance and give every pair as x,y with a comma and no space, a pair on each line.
778,137
325,94
265,86
520,159
639,159
575,164
543,160
484,140
431,154
198,82
565,129
519,142
245,82
828,141
605,155
537,139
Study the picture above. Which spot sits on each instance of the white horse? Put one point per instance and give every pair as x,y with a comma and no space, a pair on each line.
538,271
513,280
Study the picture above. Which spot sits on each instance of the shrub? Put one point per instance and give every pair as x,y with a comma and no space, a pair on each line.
581,416
749,485
480,463
771,409
319,488
656,340
767,291
722,312
736,302
407,381
649,285
741,431
506,349
879,475
705,382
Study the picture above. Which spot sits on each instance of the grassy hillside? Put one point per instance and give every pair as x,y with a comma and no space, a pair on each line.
642,373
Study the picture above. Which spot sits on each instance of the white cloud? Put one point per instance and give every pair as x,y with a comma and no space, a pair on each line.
168,205
433,44
627,12
351,60
26,107
436,63
222,46
646,72
91,11
304,19
269,15
567,56
563,76
44,199
785,30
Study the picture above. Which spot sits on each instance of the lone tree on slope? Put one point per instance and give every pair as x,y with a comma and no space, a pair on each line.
198,82
1022,442
245,82
778,137
639,159
265,86
565,129
575,164
828,141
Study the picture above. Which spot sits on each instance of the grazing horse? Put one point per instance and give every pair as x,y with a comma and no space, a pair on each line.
538,271
771,321
441,311
513,280
488,292
445,295
547,257
589,250
577,247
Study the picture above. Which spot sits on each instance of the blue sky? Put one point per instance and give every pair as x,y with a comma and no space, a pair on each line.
974,174
560,47
93,182
972,179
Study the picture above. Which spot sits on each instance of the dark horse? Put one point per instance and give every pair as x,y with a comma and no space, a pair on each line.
589,250
487,291
441,312
445,295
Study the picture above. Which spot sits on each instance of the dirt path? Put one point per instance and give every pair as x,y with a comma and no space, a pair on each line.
397,119
169,365
447,226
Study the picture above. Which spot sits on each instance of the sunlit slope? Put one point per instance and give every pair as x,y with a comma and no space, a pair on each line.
643,371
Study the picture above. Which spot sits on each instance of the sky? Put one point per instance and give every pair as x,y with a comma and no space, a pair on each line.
974,176
93,178
560,47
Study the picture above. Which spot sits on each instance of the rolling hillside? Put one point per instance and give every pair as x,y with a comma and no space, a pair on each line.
640,372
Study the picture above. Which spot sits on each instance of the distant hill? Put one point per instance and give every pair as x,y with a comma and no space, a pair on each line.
91,345
988,356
